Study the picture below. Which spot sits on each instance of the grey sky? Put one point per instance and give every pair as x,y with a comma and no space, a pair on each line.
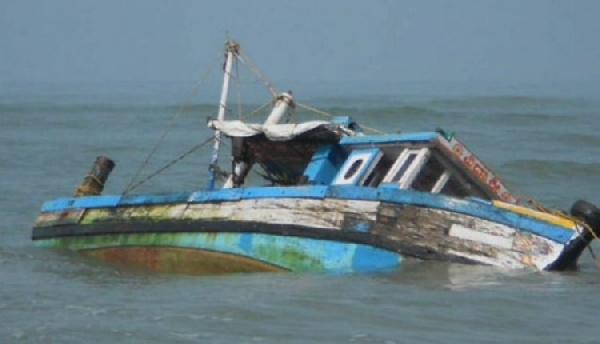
304,40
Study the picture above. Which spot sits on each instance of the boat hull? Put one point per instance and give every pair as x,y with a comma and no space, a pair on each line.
299,229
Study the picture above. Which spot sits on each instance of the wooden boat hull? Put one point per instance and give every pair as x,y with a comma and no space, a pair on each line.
172,259
309,228
223,252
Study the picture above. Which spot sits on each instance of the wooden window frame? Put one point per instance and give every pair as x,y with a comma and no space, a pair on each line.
370,157
421,156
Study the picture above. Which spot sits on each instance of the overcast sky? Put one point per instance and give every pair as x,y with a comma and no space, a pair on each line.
322,40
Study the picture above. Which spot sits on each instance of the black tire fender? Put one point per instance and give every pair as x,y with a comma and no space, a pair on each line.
587,212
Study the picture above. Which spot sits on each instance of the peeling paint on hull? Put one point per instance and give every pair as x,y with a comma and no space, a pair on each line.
229,252
308,228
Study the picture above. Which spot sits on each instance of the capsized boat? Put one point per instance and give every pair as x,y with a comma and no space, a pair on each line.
334,199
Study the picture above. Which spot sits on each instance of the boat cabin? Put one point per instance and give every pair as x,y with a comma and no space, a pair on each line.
434,162
405,161
338,153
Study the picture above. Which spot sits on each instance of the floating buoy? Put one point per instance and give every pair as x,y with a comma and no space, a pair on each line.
93,182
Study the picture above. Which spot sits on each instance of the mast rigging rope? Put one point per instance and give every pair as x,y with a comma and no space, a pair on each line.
174,119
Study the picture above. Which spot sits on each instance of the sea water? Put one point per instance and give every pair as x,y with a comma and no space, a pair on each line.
543,140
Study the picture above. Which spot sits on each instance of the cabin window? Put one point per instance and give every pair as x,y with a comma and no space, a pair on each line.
429,176
358,167
407,166
404,166
441,182
353,169
435,177
425,170
379,171
455,188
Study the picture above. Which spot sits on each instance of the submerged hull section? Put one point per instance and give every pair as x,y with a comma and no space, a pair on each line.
174,259
299,229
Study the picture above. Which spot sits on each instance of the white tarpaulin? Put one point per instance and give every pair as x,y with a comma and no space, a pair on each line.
274,132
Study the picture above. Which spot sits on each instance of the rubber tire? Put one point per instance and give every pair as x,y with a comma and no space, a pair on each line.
587,212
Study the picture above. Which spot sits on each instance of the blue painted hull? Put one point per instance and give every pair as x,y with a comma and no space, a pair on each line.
307,228
396,196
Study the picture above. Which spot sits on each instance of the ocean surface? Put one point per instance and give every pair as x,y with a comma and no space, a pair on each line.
543,140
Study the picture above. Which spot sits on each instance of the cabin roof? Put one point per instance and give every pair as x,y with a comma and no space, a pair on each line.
390,138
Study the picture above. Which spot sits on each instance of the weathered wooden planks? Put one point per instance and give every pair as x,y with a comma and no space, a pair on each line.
408,229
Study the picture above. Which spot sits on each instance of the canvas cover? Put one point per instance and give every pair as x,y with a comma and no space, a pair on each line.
274,132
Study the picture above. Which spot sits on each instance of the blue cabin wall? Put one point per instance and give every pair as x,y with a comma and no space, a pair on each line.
324,164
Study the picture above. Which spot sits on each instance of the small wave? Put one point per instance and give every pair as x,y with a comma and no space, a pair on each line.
525,118
404,110
559,168
78,108
413,111
481,101
202,108
580,140
342,109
